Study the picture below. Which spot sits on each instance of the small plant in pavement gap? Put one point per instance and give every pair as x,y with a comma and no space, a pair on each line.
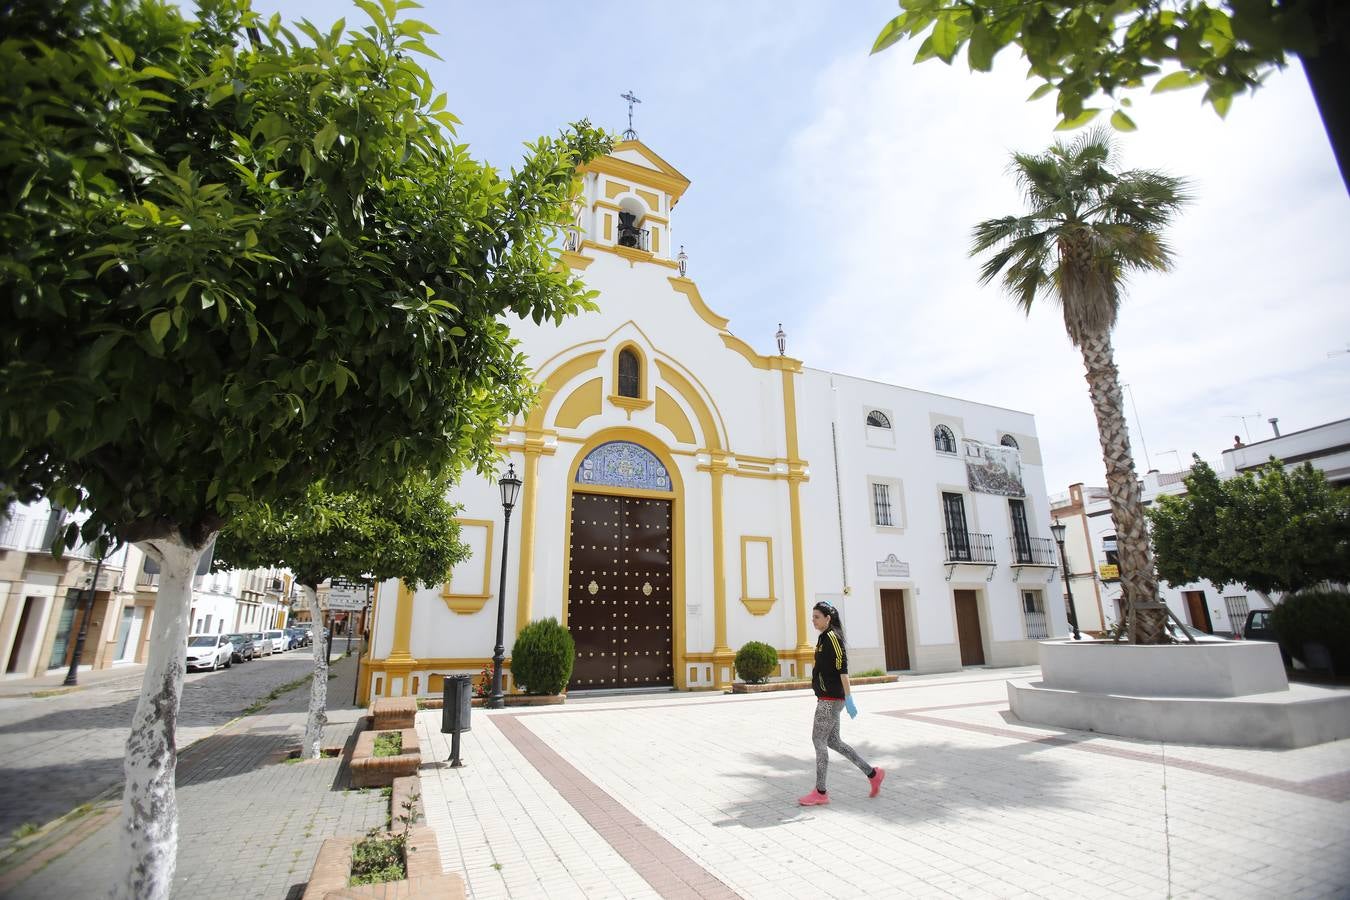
378,858
388,743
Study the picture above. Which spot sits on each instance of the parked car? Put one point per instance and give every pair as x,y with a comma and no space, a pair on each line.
244,648
1201,637
278,639
262,645
1260,626
209,651
296,637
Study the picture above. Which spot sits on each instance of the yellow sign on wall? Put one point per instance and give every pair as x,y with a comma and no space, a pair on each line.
1109,572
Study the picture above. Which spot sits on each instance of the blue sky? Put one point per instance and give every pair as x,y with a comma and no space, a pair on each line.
835,192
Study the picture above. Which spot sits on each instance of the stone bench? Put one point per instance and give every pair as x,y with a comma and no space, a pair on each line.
369,770
393,713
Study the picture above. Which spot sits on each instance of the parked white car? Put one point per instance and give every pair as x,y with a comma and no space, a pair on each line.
278,639
209,651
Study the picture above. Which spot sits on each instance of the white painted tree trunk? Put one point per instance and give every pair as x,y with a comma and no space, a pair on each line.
318,685
149,806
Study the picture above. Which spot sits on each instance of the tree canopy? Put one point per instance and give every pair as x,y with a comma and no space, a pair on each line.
1101,51
408,531
1271,529
237,258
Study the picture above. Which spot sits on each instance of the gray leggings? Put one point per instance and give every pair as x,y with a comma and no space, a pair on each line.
825,734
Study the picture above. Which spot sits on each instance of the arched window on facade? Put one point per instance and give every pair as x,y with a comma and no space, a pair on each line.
1009,441
877,419
944,440
630,375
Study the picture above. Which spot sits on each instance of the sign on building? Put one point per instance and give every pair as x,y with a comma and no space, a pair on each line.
890,567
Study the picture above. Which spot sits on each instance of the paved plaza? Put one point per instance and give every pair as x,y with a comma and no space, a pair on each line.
694,795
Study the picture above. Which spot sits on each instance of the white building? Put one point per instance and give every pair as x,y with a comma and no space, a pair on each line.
684,494
1326,447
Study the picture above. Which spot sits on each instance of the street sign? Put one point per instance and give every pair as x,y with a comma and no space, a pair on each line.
344,594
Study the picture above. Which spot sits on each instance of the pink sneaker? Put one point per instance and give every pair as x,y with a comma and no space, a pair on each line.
878,776
815,798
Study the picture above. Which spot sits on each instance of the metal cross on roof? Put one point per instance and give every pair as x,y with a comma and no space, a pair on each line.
630,134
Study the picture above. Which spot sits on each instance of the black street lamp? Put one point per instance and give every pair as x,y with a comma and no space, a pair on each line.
71,676
1058,530
510,486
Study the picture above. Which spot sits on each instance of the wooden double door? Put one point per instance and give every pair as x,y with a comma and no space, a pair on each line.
620,592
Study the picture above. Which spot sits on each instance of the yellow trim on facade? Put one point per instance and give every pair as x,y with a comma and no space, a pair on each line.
669,414
646,217
652,199
466,603
796,474
675,494
609,230
525,578
555,382
757,605
403,618
615,188
721,649
711,438
580,405
664,177
629,404
689,289
575,261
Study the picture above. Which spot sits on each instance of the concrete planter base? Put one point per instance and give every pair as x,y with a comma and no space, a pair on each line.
369,770
1227,694
1301,716
425,881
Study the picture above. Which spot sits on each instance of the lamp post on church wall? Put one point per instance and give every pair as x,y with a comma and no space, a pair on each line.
510,487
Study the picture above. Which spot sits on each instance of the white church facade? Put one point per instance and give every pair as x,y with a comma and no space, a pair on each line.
684,494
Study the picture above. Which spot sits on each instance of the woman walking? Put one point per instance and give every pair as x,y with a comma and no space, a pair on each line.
830,682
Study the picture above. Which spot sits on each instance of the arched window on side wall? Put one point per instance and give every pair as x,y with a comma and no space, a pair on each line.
630,375
944,440
1009,441
877,419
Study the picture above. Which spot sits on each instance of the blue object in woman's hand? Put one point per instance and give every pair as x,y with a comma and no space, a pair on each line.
851,707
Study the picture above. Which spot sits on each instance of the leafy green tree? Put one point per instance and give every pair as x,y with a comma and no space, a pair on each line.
1270,529
1090,50
1086,227
237,259
407,532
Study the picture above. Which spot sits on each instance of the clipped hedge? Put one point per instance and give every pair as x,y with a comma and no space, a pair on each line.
755,662
1316,616
542,657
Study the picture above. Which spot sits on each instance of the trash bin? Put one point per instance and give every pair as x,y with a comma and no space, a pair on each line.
456,703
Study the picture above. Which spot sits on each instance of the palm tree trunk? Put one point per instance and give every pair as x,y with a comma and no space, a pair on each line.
1138,578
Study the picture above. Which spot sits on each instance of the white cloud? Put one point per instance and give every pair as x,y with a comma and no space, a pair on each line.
899,161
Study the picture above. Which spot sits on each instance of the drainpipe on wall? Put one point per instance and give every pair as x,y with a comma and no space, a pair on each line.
838,494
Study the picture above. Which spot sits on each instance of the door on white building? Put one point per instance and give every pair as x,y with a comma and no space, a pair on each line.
1198,610
25,636
893,632
125,647
968,628
63,646
620,601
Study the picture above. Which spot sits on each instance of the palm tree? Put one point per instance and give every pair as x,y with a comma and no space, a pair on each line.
1086,228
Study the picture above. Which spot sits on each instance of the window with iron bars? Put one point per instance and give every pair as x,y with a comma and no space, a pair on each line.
1237,612
881,504
1033,615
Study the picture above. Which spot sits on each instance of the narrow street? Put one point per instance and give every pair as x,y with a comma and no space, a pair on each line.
59,752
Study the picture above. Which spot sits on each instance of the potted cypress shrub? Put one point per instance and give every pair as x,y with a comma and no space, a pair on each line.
541,662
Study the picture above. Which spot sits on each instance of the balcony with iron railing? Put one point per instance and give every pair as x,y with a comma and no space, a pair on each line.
1030,551
632,236
34,532
968,547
